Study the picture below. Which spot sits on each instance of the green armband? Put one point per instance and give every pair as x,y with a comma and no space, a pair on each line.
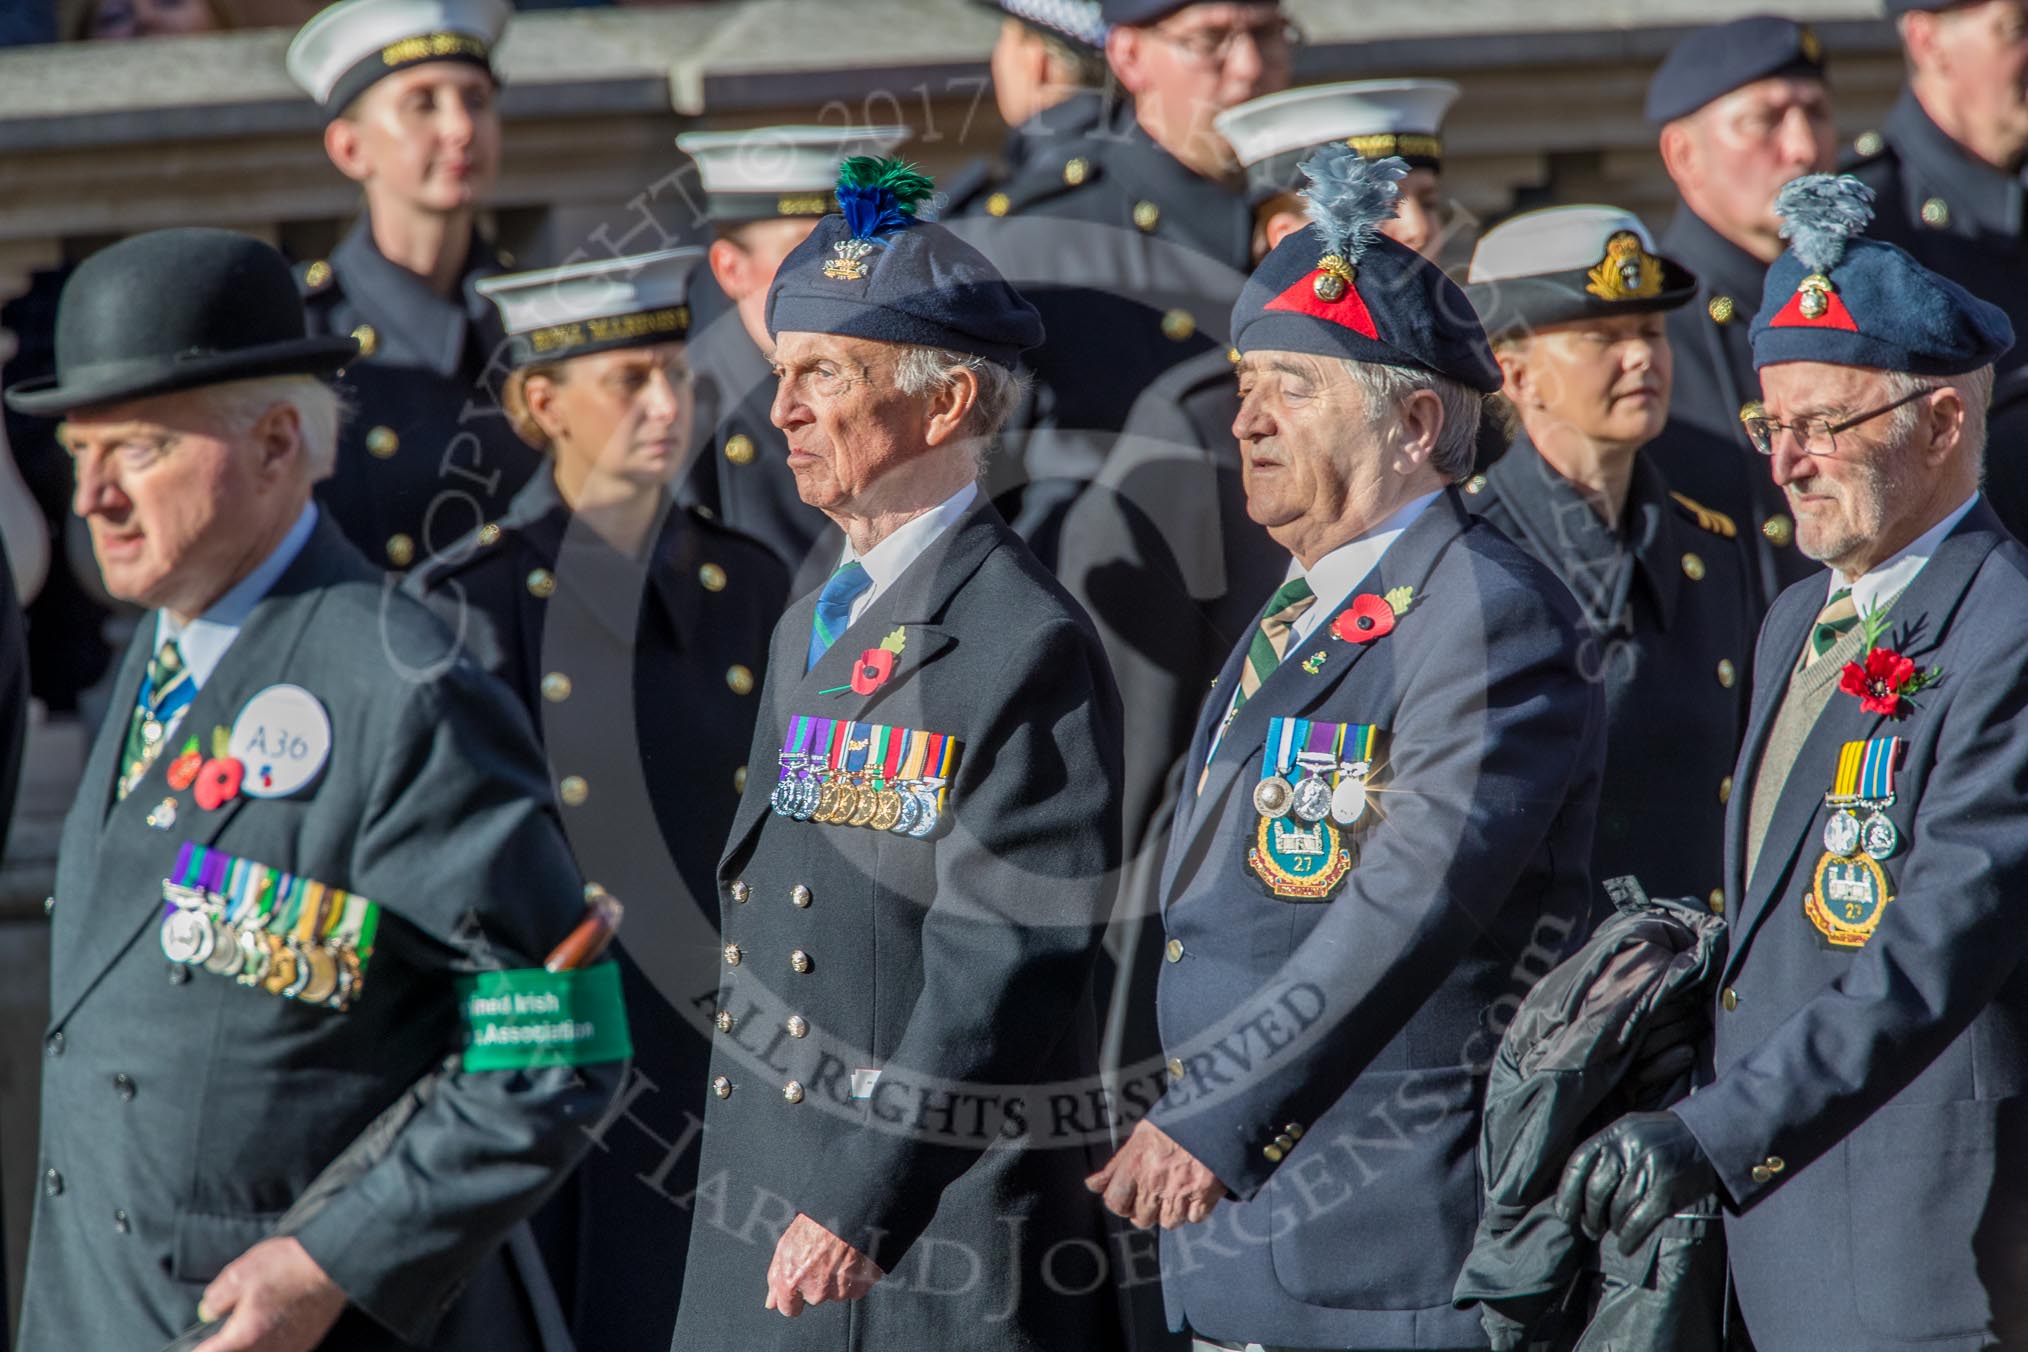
523,1019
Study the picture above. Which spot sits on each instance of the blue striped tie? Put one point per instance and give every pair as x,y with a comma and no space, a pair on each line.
834,608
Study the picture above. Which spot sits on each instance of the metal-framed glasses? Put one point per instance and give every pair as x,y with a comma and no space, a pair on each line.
1273,39
1819,436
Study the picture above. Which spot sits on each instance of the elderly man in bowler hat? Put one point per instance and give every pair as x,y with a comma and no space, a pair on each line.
302,869
1863,1126
1387,824
913,886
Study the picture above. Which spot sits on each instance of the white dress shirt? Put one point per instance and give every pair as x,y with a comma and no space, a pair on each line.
1880,585
888,560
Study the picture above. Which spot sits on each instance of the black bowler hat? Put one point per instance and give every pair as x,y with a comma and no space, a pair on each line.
172,310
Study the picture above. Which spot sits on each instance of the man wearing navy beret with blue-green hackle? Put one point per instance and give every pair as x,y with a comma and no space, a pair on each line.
1387,824
911,894
1862,1122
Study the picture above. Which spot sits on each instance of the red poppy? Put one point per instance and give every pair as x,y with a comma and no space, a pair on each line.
183,770
218,783
1880,683
875,665
1367,618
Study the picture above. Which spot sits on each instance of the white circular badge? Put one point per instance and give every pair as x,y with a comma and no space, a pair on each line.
283,738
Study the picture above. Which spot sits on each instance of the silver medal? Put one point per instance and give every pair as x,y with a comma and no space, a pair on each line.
911,811
1880,839
1312,798
187,936
926,796
1272,796
1348,801
1841,833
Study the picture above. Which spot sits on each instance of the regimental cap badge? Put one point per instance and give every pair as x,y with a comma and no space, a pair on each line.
1348,200
879,199
1627,272
1820,213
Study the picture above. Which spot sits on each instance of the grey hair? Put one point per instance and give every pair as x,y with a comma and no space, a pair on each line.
1974,387
239,404
931,370
1457,441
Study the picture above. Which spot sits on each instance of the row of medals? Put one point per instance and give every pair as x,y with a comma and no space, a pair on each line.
905,807
1845,835
1313,798
196,935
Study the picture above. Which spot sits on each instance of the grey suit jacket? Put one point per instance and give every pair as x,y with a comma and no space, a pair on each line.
183,1112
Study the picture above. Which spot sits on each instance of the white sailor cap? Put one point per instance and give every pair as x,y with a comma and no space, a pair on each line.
345,48
1272,135
760,173
557,313
1566,263
1079,21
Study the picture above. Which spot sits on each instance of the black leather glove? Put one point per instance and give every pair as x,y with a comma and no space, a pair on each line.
1633,1176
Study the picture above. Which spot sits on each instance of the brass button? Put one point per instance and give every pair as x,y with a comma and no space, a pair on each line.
1274,1153
1779,530
1076,170
1175,950
573,790
1178,325
1728,999
1175,1068
1720,309
400,550
998,204
1761,1173
1285,1143
739,780
722,1087
556,687
1476,484
1693,567
1936,213
368,340
1868,143
793,1091
541,584
317,274
799,962
381,443
732,955
739,449
740,891
722,1021
1773,1164
799,895
1716,901
1147,216
711,577
740,678
1232,355
1727,673
1725,790
798,1026
1294,1131
489,534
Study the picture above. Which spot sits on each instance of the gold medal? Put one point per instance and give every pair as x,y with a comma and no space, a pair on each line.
827,801
886,809
281,973
864,801
320,969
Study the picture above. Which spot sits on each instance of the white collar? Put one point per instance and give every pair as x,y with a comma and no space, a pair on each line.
203,641
888,560
1879,585
1334,576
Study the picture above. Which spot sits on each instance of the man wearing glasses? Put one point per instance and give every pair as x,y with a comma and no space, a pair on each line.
1862,1128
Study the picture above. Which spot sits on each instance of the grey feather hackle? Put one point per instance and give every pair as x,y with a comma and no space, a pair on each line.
1819,213
1350,196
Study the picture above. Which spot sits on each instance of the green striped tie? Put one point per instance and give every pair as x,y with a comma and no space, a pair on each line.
1271,638
1834,621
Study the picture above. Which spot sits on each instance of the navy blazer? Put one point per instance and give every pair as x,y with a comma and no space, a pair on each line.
1361,1029
1866,1118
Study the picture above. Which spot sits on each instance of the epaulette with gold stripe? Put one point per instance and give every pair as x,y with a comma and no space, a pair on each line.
1718,523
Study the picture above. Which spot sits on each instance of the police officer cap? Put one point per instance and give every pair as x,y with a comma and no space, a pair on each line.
173,310
1340,288
344,49
1273,134
766,173
1568,263
1712,62
1835,296
1140,13
1897,8
877,272
1079,21
559,313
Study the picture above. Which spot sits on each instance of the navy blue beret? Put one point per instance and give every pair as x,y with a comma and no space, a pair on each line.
1897,8
1837,297
876,272
1712,62
1339,288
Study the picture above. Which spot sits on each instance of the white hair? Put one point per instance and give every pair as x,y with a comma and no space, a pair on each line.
240,404
931,370
1457,441
1975,388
